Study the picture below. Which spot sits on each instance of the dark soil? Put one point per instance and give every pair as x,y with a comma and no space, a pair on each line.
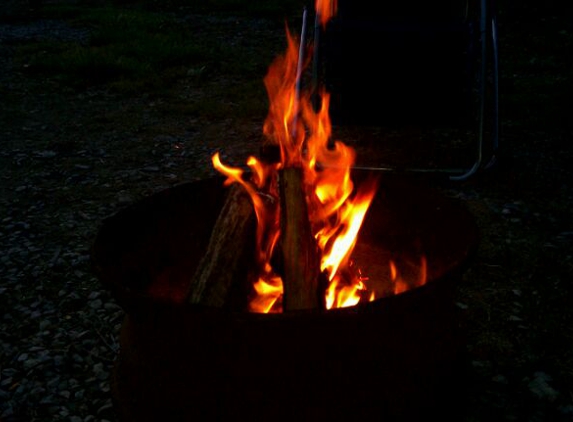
70,157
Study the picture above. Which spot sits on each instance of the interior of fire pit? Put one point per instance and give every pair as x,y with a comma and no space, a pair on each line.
152,248
399,357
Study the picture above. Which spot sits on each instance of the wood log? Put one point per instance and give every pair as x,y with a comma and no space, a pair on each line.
300,254
230,254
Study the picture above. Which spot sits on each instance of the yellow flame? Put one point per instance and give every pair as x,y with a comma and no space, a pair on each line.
336,209
342,296
268,292
352,218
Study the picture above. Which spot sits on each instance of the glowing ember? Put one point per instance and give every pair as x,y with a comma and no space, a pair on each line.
401,284
336,209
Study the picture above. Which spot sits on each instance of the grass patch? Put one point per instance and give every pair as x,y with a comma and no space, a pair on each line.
130,49
260,8
126,50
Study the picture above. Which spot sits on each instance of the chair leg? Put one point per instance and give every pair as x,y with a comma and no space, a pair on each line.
495,83
485,38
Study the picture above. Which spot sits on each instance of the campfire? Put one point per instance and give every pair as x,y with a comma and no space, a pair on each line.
300,288
308,208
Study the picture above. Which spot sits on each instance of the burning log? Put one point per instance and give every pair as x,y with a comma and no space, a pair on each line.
300,254
230,253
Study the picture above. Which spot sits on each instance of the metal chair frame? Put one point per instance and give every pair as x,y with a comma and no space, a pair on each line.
487,139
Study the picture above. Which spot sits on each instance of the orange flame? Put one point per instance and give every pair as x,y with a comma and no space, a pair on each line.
268,293
336,206
268,287
325,10
336,210
400,284
338,240
282,122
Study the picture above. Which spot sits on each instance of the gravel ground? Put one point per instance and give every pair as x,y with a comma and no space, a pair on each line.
58,328
68,159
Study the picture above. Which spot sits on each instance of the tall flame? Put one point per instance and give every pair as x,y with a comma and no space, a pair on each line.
282,125
336,206
336,209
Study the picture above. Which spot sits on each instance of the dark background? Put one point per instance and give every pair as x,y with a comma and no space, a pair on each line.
87,128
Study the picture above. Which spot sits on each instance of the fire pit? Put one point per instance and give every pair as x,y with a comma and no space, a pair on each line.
395,358
304,289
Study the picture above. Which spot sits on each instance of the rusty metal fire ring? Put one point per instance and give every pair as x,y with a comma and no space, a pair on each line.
398,358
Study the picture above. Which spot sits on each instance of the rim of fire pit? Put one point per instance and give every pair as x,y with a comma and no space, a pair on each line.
120,263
